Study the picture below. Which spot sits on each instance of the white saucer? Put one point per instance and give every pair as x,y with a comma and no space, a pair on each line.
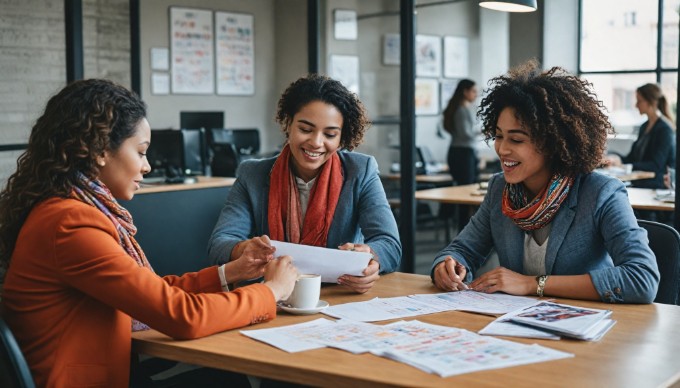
292,310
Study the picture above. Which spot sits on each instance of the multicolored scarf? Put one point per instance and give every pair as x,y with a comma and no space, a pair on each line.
95,193
285,214
542,209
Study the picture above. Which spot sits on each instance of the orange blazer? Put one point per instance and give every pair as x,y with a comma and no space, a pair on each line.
71,289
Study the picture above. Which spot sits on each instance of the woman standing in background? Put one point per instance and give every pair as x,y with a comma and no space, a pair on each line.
654,148
459,121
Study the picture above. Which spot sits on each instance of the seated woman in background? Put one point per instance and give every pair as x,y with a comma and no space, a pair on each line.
654,149
558,228
78,283
315,192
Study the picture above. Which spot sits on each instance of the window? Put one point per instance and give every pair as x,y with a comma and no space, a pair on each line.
625,44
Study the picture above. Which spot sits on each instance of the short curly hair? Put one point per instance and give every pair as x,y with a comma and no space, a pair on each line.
317,87
564,118
83,120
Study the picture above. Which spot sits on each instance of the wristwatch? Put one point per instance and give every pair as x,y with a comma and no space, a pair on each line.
541,284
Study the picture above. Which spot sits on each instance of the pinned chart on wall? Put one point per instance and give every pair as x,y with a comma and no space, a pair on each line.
192,58
427,96
428,56
235,49
455,57
345,68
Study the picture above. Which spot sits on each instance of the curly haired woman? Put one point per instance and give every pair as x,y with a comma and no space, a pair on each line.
315,192
78,283
558,228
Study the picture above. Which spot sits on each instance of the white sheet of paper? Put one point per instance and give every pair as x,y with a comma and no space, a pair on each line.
329,263
290,338
381,309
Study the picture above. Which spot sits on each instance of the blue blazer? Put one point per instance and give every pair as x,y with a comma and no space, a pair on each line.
362,214
593,232
660,152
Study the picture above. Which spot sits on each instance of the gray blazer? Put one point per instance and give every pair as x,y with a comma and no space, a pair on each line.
362,215
593,232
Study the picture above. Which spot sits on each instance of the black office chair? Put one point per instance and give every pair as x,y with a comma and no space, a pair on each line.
665,243
225,160
14,371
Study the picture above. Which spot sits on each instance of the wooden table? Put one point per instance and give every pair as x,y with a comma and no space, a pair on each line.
202,182
641,350
435,179
643,199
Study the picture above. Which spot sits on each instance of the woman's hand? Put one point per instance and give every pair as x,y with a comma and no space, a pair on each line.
361,284
280,276
449,275
503,279
612,160
251,261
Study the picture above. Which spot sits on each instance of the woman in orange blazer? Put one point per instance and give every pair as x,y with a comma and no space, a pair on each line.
77,283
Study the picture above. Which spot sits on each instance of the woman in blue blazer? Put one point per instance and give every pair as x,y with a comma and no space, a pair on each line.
558,228
316,192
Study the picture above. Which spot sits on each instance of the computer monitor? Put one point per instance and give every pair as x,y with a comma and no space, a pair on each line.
197,120
176,152
245,140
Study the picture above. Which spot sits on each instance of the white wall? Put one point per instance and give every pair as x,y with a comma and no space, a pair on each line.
560,34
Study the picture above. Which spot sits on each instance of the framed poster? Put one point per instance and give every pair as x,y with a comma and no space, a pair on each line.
391,49
345,24
235,51
455,57
428,56
345,68
159,58
191,44
446,89
427,96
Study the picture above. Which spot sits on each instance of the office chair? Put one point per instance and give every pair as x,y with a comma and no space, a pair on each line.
225,160
665,243
14,371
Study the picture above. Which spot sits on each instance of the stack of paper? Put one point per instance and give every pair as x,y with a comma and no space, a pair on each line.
560,319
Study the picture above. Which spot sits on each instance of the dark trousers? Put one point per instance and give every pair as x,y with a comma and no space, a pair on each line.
463,166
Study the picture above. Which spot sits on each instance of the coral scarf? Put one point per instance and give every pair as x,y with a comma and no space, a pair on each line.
284,203
542,209
94,193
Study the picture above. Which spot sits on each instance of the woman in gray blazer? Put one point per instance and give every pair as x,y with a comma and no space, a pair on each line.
316,192
558,228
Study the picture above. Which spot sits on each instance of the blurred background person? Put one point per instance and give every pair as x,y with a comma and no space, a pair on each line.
654,149
460,122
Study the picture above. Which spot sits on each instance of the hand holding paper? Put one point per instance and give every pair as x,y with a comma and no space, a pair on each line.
329,263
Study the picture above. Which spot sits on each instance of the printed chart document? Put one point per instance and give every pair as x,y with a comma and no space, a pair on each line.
381,309
329,263
476,302
443,350
576,322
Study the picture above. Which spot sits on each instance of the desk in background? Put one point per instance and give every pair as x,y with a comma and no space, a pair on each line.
643,199
640,350
174,222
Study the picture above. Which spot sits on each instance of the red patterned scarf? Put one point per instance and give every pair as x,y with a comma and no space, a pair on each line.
94,193
284,203
542,209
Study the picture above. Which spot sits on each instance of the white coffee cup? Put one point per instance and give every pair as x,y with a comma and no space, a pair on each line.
305,295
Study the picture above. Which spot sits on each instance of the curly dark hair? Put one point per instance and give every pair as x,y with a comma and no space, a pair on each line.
562,114
79,123
316,87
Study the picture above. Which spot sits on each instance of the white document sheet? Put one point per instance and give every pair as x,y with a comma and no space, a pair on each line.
291,338
476,302
329,263
381,309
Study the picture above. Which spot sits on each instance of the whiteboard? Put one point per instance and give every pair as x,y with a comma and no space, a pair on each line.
191,43
235,47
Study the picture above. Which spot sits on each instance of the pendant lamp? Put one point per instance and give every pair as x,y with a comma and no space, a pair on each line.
509,5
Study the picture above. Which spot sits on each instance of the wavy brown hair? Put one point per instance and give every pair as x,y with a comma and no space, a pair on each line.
79,123
564,118
316,87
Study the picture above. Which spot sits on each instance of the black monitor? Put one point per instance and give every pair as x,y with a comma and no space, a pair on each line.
245,140
205,120
176,152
